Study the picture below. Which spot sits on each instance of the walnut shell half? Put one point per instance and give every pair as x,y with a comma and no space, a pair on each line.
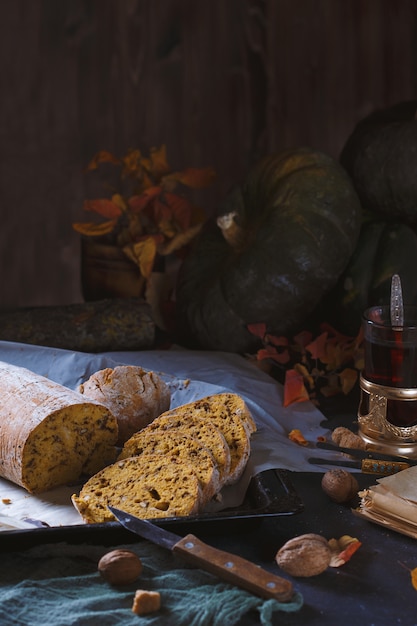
305,555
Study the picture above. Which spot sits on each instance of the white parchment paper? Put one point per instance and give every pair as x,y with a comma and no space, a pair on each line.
191,375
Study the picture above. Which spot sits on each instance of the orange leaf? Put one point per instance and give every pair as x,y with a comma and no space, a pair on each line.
102,157
257,329
294,388
303,338
193,177
138,203
143,254
132,163
91,229
106,208
159,164
414,578
348,379
349,551
177,208
301,369
297,437
269,352
277,341
317,348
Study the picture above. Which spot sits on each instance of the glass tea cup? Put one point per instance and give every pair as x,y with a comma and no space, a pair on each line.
388,406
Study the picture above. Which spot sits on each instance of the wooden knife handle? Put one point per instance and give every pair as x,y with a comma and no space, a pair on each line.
234,569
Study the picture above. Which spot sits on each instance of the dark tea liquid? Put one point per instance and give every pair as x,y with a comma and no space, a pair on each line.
393,363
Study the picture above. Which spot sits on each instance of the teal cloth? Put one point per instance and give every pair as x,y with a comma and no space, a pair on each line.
59,585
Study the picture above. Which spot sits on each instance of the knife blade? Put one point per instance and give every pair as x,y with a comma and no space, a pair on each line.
367,466
227,566
365,454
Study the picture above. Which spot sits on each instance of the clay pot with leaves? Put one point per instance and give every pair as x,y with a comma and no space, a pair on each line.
147,218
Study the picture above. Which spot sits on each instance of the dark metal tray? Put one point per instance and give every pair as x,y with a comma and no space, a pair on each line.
270,493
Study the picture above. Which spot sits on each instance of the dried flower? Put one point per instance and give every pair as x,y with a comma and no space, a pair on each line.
328,363
145,211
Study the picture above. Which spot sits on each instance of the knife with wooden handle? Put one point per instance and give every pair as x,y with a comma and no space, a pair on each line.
227,566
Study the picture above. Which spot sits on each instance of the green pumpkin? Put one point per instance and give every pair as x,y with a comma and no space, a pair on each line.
383,249
297,220
381,158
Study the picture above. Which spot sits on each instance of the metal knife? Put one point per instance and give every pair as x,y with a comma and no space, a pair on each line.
367,466
365,454
227,566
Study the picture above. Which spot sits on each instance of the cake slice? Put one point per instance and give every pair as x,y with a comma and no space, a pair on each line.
223,404
204,431
229,413
181,446
149,486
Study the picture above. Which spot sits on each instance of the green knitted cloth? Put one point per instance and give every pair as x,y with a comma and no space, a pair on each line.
59,585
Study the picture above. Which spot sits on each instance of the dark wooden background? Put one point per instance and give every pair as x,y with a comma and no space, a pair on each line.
221,82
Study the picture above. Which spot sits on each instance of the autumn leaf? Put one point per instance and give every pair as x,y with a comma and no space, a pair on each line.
92,229
343,549
297,437
294,388
139,202
270,352
317,348
307,377
102,157
159,163
179,241
303,339
413,573
259,330
132,163
143,254
104,207
277,341
348,378
193,177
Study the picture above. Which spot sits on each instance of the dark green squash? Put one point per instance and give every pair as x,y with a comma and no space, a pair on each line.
298,218
384,248
381,158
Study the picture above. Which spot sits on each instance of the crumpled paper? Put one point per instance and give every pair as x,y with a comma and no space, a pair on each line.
392,502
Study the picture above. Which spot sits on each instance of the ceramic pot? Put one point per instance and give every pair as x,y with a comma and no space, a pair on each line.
106,272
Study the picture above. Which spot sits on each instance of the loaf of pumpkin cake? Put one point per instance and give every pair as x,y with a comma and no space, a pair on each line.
50,435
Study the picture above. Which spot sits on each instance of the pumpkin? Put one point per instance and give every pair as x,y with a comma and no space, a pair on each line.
285,237
384,248
381,157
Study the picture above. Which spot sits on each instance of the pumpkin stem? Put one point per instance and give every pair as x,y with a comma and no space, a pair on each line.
231,230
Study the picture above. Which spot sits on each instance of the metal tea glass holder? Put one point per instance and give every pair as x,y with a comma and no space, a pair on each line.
375,428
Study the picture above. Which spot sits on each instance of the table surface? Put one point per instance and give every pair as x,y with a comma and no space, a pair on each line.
373,588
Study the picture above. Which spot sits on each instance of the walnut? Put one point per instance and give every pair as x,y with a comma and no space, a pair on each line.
146,602
305,555
345,438
340,485
120,567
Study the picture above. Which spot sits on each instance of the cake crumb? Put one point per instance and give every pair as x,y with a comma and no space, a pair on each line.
146,602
